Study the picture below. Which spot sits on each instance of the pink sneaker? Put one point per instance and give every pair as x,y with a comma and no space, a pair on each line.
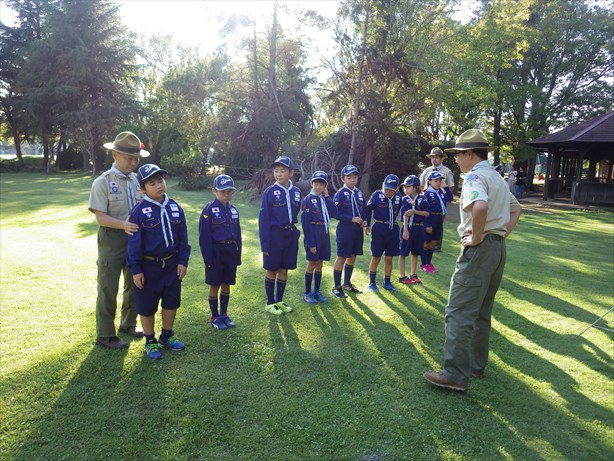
431,269
414,280
424,267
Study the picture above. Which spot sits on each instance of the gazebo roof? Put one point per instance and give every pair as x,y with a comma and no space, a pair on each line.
597,130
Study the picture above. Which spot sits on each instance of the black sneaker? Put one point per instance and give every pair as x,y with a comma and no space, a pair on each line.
351,288
338,292
229,323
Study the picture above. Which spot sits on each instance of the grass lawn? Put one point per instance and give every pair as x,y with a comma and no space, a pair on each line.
339,381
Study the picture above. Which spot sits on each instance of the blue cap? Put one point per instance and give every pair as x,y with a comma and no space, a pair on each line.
223,182
391,182
319,176
147,171
434,175
283,161
412,180
348,169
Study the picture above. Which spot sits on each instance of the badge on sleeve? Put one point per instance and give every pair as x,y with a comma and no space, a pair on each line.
174,207
474,194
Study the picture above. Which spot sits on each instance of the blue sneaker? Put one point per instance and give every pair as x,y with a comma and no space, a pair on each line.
218,323
153,351
309,299
389,286
319,297
172,343
229,323
373,288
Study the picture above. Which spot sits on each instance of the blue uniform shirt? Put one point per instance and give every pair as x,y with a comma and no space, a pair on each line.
434,199
218,223
348,208
312,218
276,211
383,209
162,232
413,203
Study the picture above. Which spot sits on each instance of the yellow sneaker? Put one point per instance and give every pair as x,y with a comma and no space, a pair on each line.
283,307
273,309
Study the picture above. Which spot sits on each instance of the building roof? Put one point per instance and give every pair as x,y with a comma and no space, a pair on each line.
597,130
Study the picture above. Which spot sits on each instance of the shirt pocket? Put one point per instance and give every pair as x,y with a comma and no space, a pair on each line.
150,223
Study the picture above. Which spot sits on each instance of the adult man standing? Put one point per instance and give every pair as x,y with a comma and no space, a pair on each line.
489,213
436,157
113,195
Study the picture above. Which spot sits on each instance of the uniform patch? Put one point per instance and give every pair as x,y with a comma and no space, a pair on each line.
215,209
297,196
175,215
277,192
314,201
147,210
472,177
174,207
474,194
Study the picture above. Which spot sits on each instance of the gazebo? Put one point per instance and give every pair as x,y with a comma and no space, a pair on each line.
569,149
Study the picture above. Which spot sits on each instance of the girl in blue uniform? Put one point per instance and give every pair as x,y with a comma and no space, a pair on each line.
384,205
436,195
412,238
158,256
219,236
317,210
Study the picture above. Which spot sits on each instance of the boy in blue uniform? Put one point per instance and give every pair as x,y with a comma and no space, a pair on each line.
436,196
352,215
279,236
219,237
317,209
413,212
158,256
384,205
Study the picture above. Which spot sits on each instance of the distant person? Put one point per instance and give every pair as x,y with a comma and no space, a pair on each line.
499,169
279,236
219,238
437,157
158,254
511,181
521,183
352,215
489,213
113,195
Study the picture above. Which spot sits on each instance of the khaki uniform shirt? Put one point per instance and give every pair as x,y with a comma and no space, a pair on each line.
109,194
444,170
483,182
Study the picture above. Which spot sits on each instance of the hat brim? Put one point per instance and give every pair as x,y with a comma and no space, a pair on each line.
111,146
462,149
434,155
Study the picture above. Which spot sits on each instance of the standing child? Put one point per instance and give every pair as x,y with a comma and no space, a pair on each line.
385,205
158,256
279,236
352,215
413,211
219,236
315,218
436,195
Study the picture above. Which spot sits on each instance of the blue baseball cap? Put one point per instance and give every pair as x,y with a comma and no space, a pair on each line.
319,176
434,175
348,169
283,161
391,182
412,180
147,171
223,182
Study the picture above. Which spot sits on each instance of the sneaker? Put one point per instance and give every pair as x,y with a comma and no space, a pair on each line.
350,288
272,309
282,306
229,323
218,323
423,267
373,288
171,343
389,286
337,292
405,280
414,280
309,298
153,351
431,269
319,297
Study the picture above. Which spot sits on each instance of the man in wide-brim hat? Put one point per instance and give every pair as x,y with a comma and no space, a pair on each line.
489,213
113,195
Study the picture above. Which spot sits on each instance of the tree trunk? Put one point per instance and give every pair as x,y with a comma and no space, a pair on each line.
14,132
46,161
365,177
496,134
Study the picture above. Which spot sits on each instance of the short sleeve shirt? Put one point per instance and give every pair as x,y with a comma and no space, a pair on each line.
483,182
109,194
444,170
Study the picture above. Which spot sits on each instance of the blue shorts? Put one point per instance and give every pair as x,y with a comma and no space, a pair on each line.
350,239
160,284
224,269
436,235
322,246
385,240
284,249
415,244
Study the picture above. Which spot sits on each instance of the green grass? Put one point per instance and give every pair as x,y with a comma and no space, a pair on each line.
340,381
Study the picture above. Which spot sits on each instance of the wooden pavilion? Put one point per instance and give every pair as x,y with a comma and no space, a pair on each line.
570,150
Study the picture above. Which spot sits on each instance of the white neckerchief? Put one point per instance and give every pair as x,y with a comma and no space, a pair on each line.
325,214
287,191
165,220
413,207
130,190
390,212
355,209
441,202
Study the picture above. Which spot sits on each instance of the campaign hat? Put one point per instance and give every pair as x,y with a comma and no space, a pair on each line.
391,182
147,171
435,152
283,160
223,182
127,143
471,139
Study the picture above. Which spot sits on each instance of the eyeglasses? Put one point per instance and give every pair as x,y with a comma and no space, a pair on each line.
456,154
